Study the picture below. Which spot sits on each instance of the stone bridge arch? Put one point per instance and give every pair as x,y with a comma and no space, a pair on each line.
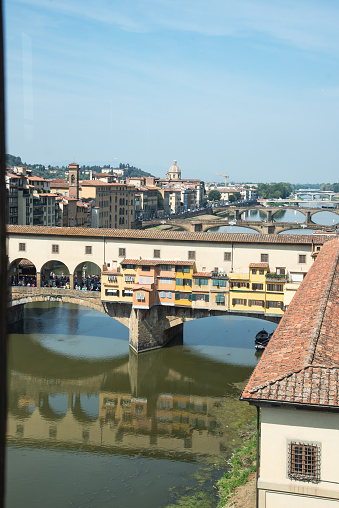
91,299
155,327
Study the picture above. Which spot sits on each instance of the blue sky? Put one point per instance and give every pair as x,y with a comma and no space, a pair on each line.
246,87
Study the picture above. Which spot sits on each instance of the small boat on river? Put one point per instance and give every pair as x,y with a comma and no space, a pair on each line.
262,339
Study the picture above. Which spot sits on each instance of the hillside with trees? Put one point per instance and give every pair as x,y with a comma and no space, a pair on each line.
59,172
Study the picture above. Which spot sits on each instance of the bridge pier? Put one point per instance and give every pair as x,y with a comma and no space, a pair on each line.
147,329
15,313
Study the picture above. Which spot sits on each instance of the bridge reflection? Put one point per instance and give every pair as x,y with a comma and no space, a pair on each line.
158,404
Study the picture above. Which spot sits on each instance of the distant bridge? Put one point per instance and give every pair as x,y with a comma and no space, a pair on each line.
236,219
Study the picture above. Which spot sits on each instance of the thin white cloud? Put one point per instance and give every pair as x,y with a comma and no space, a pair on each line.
303,24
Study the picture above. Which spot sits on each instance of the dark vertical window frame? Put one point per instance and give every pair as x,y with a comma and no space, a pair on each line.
3,270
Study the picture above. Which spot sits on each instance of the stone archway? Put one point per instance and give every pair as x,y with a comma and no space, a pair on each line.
87,275
22,272
54,273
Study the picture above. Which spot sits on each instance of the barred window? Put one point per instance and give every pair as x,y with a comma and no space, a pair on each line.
275,287
156,253
264,258
239,301
22,246
274,305
88,249
227,256
302,258
55,249
122,253
258,303
304,462
257,286
254,271
191,254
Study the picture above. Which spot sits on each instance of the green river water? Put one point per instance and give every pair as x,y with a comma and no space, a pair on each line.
92,425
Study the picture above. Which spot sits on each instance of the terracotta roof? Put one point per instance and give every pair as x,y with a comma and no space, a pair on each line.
258,265
37,178
111,272
59,185
202,274
129,261
157,234
301,362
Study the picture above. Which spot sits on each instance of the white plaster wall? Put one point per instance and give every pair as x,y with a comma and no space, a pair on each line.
208,255
279,426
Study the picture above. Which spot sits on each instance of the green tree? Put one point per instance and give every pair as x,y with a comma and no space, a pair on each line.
214,195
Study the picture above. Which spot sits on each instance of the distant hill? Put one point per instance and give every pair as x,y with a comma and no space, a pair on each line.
59,172
131,171
12,160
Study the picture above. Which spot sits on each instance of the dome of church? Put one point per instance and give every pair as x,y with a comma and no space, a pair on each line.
174,168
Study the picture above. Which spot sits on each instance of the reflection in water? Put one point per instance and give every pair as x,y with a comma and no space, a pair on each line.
123,422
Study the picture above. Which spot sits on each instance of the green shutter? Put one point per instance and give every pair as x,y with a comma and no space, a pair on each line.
222,283
215,282
178,282
187,269
207,298
197,282
194,297
177,296
220,298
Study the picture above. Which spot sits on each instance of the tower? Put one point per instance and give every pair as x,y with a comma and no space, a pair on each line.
73,175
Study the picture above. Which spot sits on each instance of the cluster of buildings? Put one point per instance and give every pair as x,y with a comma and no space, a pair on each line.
104,201
148,282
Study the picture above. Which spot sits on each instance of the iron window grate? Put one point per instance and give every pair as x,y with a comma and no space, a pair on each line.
304,462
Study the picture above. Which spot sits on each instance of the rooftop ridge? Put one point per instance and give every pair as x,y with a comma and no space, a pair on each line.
168,235
321,314
301,362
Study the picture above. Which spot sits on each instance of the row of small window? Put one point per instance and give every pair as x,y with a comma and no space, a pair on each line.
55,248
260,287
115,292
258,303
192,297
264,259
114,278
156,253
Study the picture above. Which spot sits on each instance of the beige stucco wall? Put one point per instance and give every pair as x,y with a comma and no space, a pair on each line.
279,427
208,255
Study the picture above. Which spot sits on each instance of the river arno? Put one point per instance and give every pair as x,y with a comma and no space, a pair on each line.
90,424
